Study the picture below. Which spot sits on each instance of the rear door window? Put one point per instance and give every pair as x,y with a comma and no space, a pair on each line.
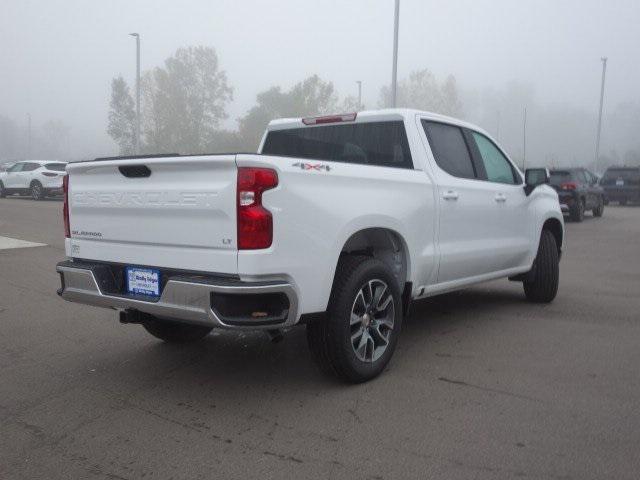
382,144
449,149
582,177
30,166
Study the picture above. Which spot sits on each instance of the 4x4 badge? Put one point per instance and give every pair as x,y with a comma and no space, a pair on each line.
312,166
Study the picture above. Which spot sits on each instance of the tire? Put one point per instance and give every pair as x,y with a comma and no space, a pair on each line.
622,202
599,210
3,192
542,284
577,212
606,201
37,191
174,332
357,338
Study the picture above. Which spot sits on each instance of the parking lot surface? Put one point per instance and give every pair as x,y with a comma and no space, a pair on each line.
483,385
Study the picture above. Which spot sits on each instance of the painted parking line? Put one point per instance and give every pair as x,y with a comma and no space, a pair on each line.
7,243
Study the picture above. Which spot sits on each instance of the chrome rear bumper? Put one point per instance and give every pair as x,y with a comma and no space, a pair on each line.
184,298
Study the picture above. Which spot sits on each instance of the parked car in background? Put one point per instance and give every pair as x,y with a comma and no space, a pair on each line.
578,191
38,178
621,184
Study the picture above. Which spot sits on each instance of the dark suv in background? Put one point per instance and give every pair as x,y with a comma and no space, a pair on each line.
578,191
622,184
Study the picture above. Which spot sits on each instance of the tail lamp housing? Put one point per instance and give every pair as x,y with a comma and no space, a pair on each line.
569,186
65,206
255,223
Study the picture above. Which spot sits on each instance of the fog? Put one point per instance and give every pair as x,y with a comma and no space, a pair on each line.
58,58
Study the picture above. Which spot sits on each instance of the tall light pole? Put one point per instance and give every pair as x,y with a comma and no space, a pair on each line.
359,82
137,139
394,69
524,140
604,72
28,136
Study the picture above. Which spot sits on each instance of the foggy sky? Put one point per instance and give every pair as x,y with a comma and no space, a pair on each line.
57,57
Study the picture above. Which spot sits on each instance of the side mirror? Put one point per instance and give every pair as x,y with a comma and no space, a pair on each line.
534,177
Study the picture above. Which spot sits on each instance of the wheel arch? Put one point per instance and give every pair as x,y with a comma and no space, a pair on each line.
384,244
554,225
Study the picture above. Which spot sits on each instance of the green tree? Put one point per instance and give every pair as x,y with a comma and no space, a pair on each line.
422,91
122,116
184,101
312,96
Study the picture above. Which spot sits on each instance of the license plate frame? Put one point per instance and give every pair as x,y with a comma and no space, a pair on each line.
142,281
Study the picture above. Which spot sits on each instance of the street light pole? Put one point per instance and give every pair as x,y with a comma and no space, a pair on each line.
28,135
524,140
137,139
394,70
604,72
359,82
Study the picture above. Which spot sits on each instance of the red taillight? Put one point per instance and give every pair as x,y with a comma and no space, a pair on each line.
255,224
65,206
345,117
568,186
49,174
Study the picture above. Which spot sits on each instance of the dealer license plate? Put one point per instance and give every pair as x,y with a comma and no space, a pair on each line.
143,281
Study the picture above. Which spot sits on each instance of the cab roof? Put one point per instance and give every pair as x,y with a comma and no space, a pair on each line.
386,114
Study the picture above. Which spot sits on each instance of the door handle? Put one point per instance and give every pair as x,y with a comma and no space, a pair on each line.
500,198
450,195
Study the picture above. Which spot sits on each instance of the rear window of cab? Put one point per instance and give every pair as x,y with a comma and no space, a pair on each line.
382,144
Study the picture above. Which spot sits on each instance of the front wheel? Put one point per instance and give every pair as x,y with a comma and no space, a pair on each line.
541,286
174,332
357,339
3,192
37,191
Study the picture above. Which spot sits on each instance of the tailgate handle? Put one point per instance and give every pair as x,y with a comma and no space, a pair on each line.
135,171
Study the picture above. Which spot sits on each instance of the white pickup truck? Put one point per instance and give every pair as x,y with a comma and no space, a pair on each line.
338,223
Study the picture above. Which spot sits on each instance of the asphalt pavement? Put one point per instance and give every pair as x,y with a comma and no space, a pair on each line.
483,385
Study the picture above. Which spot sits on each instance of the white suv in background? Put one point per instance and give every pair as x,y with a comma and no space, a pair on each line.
38,178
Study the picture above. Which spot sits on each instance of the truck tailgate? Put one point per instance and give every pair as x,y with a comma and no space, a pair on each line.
171,212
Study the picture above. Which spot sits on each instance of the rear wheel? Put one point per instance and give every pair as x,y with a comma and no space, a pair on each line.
174,332
357,339
541,286
37,191
622,201
3,192
599,210
577,211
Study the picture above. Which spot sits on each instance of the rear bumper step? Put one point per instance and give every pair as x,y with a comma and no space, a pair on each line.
198,299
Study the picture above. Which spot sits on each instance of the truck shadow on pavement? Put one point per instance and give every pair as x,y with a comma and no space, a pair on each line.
228,359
